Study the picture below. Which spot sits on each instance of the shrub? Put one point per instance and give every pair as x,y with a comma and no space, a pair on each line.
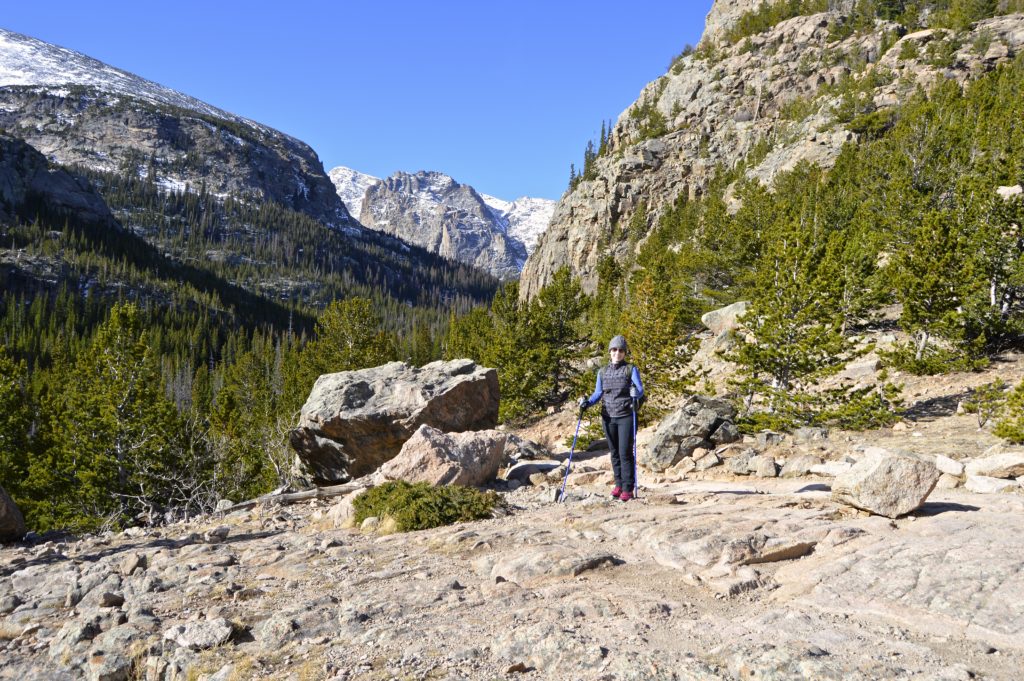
987,401
421,506
1011,426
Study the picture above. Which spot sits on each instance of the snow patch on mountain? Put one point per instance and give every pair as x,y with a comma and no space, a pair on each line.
526,218
351,186
26,61
522,220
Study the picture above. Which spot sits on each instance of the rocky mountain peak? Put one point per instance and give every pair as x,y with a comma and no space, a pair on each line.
351,185
770,99
432,210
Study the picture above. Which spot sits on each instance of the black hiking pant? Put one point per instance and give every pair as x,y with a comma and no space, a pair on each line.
619,432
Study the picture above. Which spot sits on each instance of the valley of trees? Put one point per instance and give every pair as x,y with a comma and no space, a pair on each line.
158,370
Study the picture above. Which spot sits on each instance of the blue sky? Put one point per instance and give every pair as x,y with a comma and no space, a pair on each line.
499,95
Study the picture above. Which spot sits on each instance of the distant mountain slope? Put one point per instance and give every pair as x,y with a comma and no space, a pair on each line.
351,186
527,217
522,221
432,210
80,111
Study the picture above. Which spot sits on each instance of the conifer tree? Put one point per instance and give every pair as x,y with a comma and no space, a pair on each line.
111,434
15,423
554,319
349,335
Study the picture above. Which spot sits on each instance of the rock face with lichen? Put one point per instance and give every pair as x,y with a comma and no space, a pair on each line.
768,100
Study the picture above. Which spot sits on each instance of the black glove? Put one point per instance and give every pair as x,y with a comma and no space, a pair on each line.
583,404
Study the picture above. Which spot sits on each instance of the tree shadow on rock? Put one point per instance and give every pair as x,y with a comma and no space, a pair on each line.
935,407
815,487
933,508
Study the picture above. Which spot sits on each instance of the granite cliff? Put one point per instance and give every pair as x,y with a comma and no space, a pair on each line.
769,99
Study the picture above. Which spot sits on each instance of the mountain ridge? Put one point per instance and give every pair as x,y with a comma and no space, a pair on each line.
520,221
80,111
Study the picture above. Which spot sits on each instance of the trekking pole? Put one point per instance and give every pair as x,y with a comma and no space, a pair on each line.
636,474
568,466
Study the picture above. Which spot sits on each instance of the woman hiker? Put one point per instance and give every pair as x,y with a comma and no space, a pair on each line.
618,387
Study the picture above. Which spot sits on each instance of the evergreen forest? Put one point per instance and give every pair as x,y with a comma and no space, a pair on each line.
152,367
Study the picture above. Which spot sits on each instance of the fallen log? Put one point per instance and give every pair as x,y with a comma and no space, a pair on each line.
273,499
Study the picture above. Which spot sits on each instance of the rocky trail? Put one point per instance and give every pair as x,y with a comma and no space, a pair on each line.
728,578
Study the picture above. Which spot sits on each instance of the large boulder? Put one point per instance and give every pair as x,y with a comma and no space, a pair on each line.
12,523
725,319
469,459
886,483
354,421
1003,465
701,422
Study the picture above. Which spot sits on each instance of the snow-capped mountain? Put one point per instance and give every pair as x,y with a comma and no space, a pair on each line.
527,217
79,111
522,220
351,185
432,210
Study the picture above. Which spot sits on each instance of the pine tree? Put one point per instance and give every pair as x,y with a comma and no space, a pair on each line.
15,423
554,317
349,335
111,436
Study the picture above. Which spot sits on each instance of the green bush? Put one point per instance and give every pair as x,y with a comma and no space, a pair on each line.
1011,426
963,356
862,408
986,401
421,506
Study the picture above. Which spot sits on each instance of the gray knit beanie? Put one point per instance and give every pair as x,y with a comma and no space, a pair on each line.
618,342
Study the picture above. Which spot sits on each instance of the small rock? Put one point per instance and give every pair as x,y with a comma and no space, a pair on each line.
948,466
768,438
886,483
110,600
200,635
1005,465
131,563
9,603
981,484
764,466
709,460
217,534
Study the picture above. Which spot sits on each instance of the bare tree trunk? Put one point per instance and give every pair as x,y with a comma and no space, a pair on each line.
306,495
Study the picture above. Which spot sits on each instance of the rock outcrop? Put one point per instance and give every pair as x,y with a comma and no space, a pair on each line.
27,182
470,459
701,422
434,211
886,483
12,523
354,421
724,100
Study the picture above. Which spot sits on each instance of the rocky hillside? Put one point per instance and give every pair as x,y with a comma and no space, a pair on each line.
433,211
726,571
769,99
79,111
522,220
